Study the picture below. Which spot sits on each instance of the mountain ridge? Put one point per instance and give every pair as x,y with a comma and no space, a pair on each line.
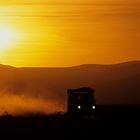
81,65
113,84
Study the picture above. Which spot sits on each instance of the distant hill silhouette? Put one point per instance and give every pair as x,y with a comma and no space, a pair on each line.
114,84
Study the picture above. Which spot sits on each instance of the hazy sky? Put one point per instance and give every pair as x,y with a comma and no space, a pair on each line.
66,33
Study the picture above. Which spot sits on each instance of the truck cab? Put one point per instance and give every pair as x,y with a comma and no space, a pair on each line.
81,102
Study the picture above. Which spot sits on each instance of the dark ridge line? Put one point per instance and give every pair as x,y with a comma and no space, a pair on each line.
74,66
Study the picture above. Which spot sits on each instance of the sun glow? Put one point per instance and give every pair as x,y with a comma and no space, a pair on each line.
8,36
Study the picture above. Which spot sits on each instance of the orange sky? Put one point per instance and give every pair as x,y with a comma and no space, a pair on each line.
52,33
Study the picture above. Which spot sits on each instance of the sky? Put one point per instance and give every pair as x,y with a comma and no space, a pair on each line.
48,33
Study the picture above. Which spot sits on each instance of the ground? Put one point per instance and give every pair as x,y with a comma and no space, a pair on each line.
108,121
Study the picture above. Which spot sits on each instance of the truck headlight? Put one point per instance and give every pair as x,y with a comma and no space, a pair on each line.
93,107
79,107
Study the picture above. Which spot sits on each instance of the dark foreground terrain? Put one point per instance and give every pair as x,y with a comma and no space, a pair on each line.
109,121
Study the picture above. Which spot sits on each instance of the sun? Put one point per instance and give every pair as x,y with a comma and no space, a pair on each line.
8,36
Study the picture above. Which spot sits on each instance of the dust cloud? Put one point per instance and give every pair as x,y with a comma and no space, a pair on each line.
22,104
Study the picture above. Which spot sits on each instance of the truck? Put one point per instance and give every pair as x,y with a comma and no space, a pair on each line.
81,102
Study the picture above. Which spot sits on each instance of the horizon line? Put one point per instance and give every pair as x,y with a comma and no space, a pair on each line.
66,3
97,64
